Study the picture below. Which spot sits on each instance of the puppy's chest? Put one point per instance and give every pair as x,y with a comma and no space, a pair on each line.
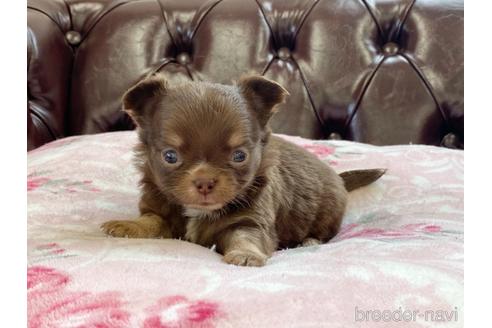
200,229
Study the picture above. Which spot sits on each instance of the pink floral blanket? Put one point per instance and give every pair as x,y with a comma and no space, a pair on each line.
397,262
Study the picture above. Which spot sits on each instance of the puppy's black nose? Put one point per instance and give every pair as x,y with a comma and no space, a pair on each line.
204,186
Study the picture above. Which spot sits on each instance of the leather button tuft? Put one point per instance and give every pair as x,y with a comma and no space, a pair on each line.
183,58
390,49
335,136
73,37
283,53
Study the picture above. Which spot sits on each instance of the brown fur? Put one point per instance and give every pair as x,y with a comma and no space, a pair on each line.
280,196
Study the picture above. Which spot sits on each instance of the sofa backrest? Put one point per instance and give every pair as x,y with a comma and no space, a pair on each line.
380,72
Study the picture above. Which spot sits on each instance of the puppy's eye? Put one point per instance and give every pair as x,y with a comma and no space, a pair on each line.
238,156
170,156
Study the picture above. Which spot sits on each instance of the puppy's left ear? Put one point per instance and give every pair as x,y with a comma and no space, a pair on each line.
262,95
137,100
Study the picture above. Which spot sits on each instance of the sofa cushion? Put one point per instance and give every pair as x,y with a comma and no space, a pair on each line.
400,247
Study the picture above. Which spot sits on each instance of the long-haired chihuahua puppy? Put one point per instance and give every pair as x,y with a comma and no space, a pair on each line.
213,174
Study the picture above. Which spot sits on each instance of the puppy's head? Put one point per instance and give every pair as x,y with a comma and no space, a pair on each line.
203,142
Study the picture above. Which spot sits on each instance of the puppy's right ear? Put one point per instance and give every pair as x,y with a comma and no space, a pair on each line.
137,101
263,96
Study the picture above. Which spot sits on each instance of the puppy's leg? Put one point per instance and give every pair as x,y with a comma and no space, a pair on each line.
329,214
310,242
246,246
148,225
323,228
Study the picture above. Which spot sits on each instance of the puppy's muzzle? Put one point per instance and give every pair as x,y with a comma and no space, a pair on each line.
204,186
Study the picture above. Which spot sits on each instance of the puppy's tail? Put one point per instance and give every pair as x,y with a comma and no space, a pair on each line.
360,178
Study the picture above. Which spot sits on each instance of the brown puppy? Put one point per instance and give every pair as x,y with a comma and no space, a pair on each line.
214,175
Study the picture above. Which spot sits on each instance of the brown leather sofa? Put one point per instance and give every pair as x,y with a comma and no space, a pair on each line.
380,72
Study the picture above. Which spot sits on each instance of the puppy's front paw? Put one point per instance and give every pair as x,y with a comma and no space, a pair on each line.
245,258
130,229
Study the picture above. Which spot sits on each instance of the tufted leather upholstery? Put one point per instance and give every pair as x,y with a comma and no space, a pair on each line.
380,71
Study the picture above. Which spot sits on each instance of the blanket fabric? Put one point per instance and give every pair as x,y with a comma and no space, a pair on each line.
397,261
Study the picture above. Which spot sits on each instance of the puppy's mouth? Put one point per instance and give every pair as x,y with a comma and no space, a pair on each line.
205,206
205,203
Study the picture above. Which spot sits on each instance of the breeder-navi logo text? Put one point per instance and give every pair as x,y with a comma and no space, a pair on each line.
400,315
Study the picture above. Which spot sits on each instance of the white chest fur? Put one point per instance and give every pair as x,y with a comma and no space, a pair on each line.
192,230
195,217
